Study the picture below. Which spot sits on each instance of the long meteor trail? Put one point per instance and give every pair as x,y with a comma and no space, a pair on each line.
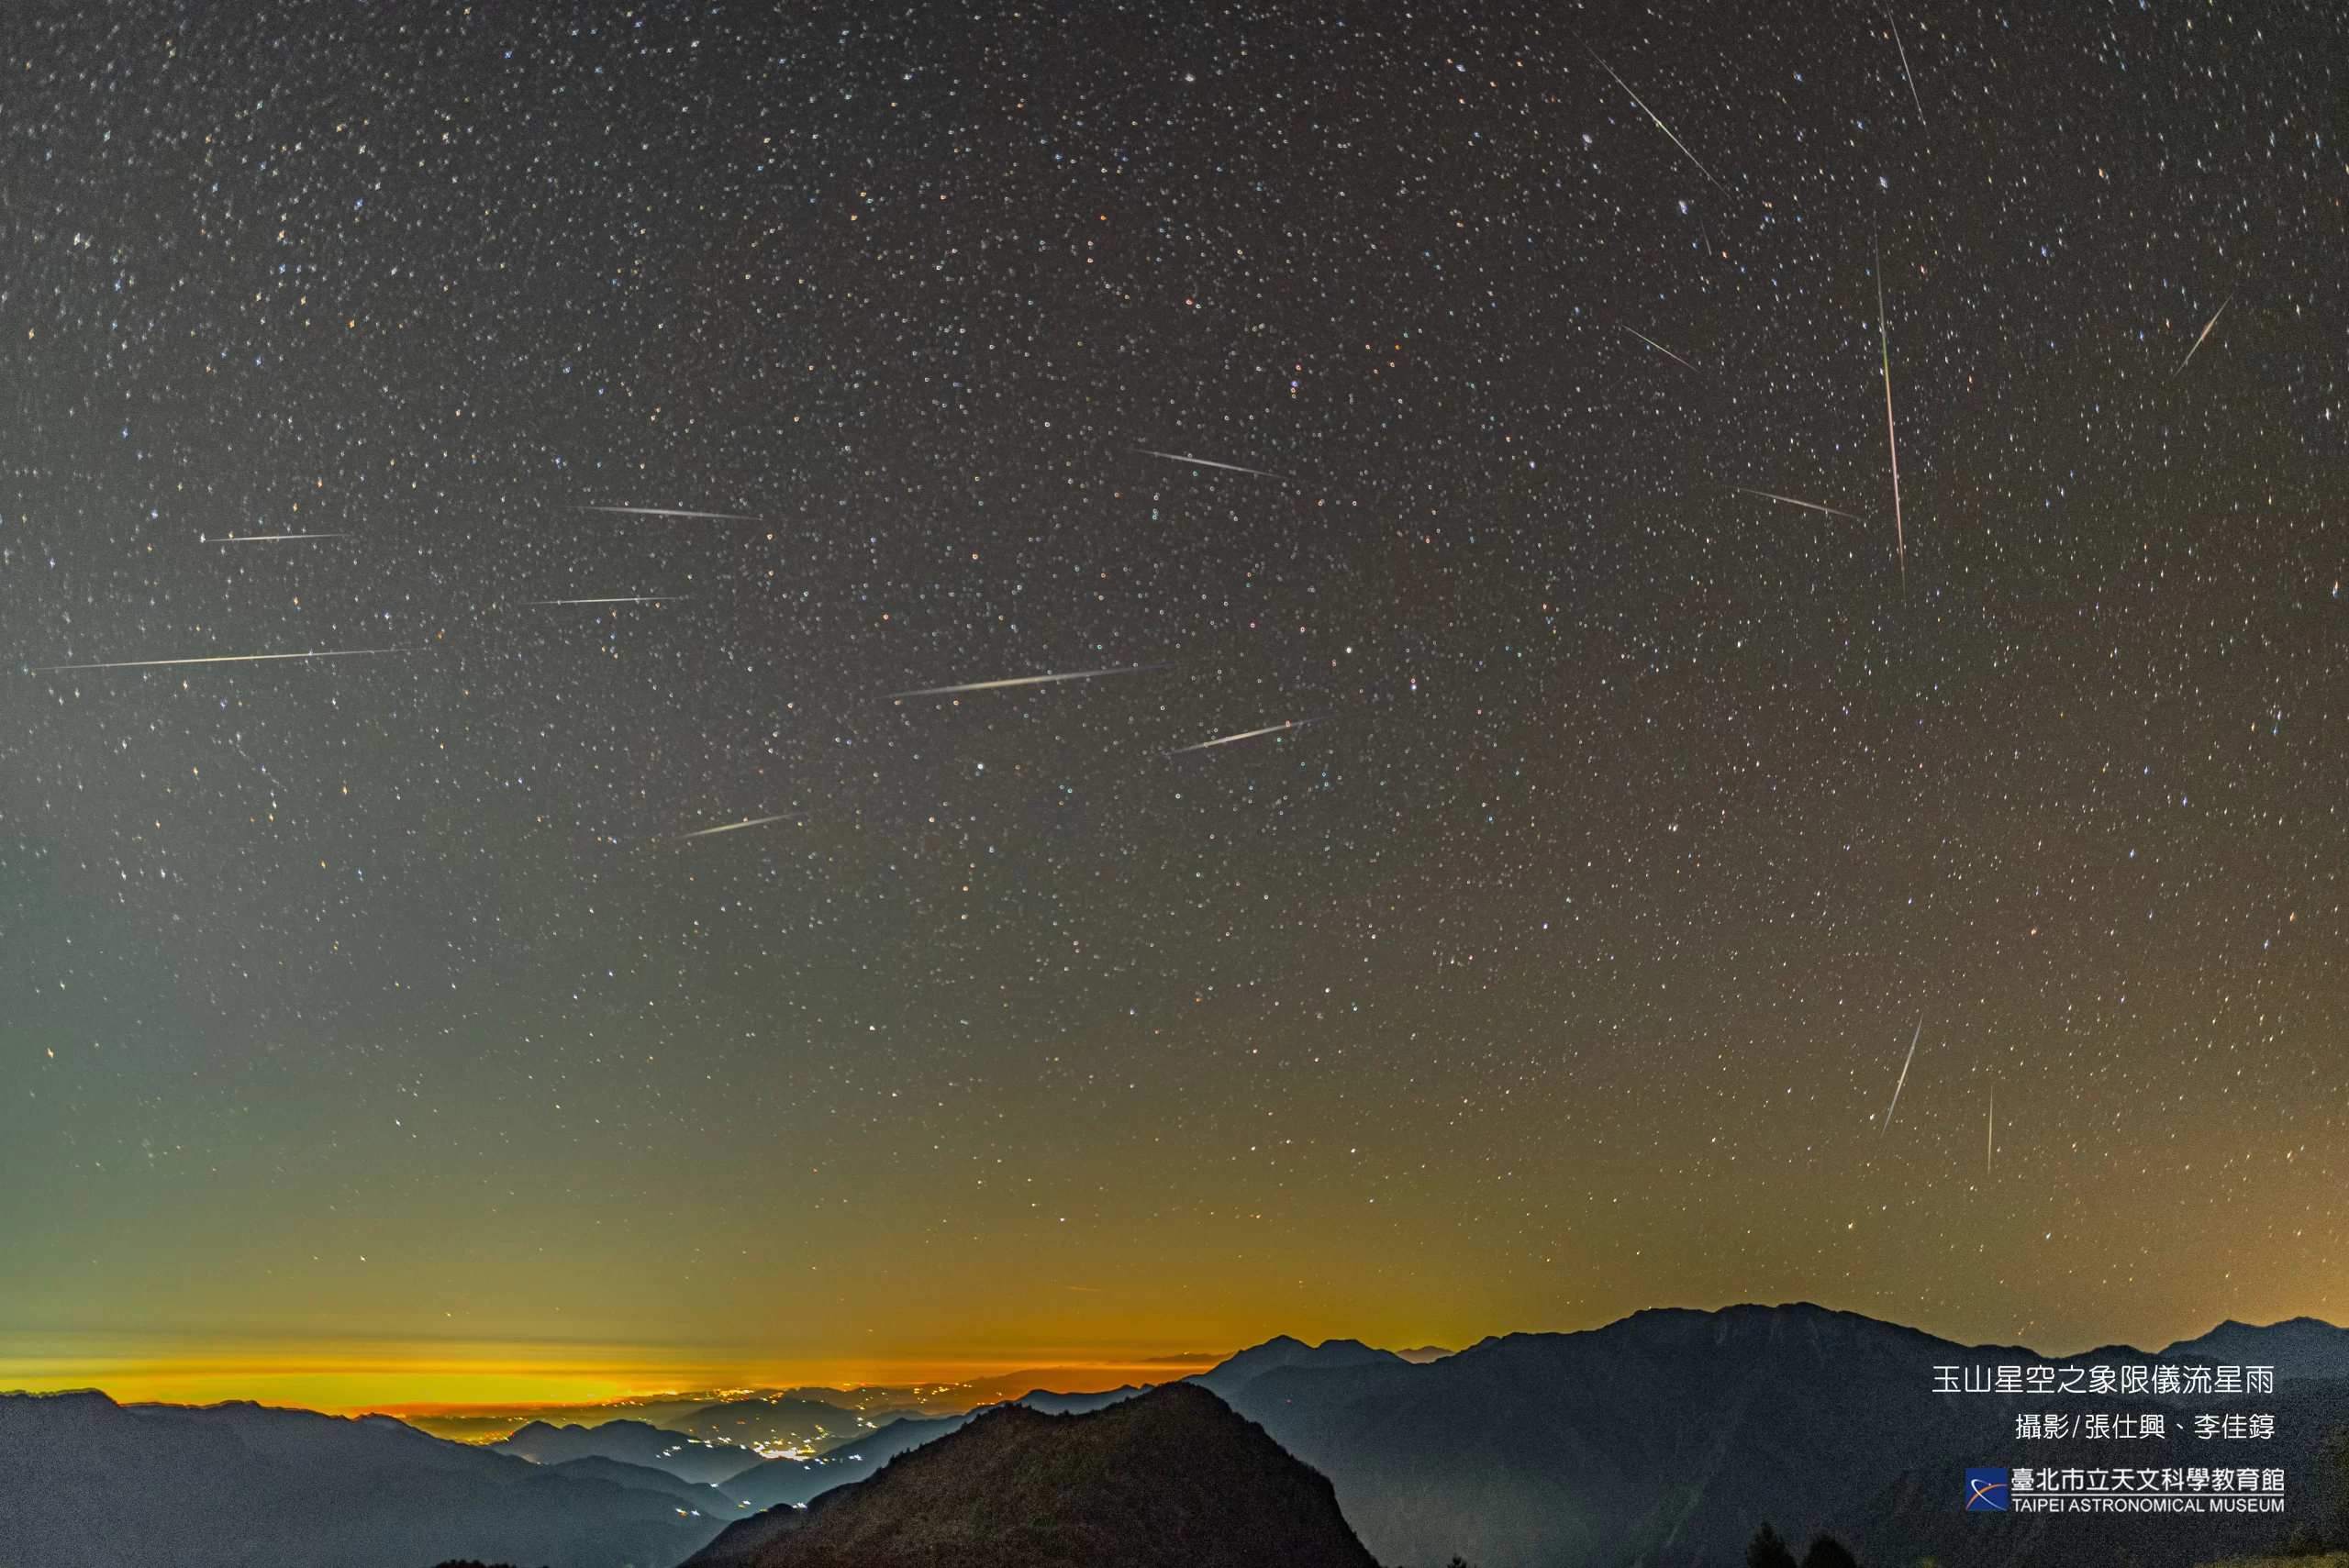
222,659
730,827
1904,1078
266,538
1651,114
1903,48
1656,345
1210,462
1246,735
1794,501
1026,681
624,599
674,512
1891,435
2199,336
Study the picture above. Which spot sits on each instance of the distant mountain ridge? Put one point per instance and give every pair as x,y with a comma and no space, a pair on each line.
2296,1348
91,1483
632,1442
1172,1478
1281,1351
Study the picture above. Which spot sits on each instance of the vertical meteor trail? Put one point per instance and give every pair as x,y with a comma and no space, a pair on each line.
1990,1136
1895,23
1891,435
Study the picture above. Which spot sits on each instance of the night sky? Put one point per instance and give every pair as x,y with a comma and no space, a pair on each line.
376,1011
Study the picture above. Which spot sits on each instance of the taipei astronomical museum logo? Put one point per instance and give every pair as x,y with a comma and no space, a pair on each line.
1986,1491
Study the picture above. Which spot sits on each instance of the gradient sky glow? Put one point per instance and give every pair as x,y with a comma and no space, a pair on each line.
371,1030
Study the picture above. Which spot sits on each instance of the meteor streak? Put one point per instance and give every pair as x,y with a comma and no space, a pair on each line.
1884,340
1247,735
627,599
1026,681
674,512
1791,501
1904,1078
1903,48
728,826
1653,344
1651,114
2198,337
222,659
265,538
1210,462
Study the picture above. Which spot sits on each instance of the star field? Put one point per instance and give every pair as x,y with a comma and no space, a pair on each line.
1562,967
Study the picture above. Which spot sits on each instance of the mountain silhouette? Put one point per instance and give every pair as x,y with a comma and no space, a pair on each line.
632,1442
1281,1351
2297,1348
1669,1436
91,1483
1665,1438
1052,1404
1174,1478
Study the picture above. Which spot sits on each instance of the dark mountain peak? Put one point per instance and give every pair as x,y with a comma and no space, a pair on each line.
1053,1404
2303,1325
1689,1339
1283,1351
2296,1347
68,1398
1174,1478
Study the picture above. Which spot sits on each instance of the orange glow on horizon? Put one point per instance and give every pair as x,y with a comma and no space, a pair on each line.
444,1379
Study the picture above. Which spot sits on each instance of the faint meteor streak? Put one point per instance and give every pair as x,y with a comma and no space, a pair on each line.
1903,48
1891,436
1793,501
1656,345
1651,114
1247,735
1990,1136
674,512
265,538
222,659
730,827
1026,681
2198,337
1210,462
1904,1078
624,599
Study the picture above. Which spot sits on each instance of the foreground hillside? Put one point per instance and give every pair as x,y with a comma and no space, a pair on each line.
1170,1479
85,1483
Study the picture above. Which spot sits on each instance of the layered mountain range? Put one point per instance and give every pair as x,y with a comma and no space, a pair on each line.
85,1483
1663,1439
